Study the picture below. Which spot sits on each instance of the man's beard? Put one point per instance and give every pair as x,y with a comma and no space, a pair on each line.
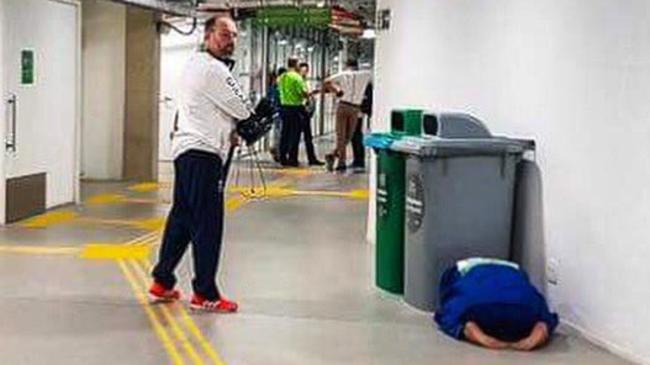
228,50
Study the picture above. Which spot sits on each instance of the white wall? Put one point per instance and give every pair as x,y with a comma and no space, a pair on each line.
575,75
3,94
104,67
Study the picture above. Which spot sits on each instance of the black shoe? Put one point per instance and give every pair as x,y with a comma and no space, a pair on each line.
289,164
341,168
358,169
316,163
329,161
275,154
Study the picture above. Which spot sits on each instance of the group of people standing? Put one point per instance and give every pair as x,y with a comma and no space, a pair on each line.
294,98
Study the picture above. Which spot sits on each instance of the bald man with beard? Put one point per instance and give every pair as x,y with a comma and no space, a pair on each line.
211,102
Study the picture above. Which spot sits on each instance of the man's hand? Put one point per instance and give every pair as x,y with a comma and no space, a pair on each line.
538,337
235,141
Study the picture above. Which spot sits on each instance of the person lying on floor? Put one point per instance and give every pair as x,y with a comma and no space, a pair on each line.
491,303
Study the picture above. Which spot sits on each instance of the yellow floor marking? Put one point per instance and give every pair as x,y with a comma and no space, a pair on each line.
198,335
244,188
191,325
354,194
40,250
176,329
150,224
282,192
105,199
159,329
104,251
361,194
145,187
278,192
147,201
143,239
235,203
49,219
294,171
112,222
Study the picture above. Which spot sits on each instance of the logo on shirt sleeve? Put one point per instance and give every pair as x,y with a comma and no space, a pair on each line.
234,87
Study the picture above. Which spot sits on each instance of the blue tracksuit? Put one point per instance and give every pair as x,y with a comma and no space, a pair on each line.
500,299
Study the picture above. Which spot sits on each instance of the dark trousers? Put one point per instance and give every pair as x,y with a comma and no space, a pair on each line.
197,217
292,117
305,131
358,150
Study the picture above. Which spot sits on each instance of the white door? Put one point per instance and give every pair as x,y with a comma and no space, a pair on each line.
41,85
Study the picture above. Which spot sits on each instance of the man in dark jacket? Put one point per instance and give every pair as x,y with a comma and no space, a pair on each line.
358,150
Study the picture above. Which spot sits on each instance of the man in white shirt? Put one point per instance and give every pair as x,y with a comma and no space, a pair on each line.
210,103
349,86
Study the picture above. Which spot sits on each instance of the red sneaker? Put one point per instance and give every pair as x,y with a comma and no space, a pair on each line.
222,305
158,293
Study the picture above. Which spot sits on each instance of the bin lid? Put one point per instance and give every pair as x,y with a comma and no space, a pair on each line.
453,125
380,141
435,146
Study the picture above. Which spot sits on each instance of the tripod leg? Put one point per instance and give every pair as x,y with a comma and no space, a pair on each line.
259,169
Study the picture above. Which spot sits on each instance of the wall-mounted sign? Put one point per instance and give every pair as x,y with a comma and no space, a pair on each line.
27,67
294,16
383,19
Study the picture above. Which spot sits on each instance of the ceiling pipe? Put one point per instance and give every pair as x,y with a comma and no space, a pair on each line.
177,8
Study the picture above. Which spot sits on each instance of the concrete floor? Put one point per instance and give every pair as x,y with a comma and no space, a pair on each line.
299,266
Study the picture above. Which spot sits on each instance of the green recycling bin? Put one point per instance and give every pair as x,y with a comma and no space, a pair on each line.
389,255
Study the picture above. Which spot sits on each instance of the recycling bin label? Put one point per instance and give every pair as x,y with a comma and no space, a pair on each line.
382,195
414,203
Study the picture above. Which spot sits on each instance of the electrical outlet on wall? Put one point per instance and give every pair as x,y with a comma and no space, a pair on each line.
553,271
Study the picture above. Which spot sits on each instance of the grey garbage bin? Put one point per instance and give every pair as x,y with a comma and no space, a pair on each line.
459,198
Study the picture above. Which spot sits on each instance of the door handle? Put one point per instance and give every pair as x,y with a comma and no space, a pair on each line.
10,140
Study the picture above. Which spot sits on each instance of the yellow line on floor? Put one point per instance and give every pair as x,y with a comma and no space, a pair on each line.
354,194
144,238
40,250
176,329
147,201
235,203
142,246
299,172
191,326
144,266
104,199
49,219
159,329
144,187
107,251
205,344
150,224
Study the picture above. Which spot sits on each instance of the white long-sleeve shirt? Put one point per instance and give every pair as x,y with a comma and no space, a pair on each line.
210,101
353,84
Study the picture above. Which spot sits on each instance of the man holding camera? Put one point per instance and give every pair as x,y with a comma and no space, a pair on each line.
210,103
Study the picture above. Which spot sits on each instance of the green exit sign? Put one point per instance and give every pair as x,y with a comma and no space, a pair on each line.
27,67
294,16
